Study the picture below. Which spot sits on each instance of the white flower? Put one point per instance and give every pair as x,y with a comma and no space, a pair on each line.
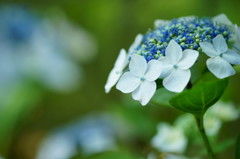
121,63
221,57
176,63
237,38
221,19
135,44
212,124
117,70
169,139
225,111
160,22
140,79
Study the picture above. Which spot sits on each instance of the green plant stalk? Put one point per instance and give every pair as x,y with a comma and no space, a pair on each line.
200,125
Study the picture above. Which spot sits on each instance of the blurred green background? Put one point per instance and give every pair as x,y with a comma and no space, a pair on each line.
114,25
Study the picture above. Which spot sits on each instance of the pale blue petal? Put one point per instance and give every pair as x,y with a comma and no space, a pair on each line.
188,59
232,57
220,67
219,44
160,22
128,82
177,80
208,49
154,70
167,68
121,61
138,65
144,92
135,44
112,79
222,19
173,52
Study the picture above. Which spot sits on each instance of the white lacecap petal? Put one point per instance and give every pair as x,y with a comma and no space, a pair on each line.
222,19
177,80
144,92
160,22
219,44
208,49
121,61
154,70
136,42
138,65
112,79
220,67
167,67
173,52
128,82
232,57
188,59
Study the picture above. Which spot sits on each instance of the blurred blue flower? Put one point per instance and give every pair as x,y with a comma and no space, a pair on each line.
46,51
93,134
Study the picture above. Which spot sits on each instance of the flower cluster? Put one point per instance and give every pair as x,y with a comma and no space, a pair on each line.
169,51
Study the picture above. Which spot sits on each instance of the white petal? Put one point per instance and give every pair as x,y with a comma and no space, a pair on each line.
173,52
144,92
187,18
177,80
154,70
167,68
232,57
188,59
121,61
220,67
160,22
116,72
219,44
138,65
128,82
236,38
222,19
208,49
136,42
112,79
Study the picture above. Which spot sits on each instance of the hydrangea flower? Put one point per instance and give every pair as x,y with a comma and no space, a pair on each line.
177,44
140,79
176,64
120,64
221,57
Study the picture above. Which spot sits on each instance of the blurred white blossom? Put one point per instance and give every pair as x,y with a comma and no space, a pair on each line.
224,111
212,125
169,139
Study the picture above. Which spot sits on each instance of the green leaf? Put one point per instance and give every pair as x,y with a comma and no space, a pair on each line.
200,97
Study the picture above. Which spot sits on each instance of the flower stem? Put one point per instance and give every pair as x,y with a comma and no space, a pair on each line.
200,125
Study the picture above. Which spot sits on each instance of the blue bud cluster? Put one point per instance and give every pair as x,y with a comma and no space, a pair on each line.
188,33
